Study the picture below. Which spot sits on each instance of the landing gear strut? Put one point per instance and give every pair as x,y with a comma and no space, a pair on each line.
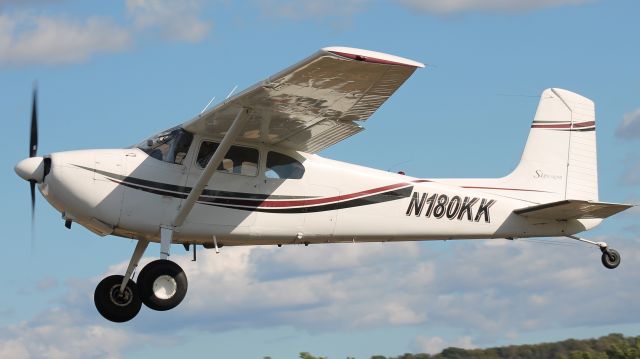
610,257
162,285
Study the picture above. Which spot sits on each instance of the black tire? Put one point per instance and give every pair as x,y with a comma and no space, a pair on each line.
113,305
157,272
610,258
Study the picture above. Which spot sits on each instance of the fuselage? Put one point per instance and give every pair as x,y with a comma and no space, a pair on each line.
129,193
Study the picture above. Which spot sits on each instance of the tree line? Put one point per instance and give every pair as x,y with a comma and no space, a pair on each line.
612,346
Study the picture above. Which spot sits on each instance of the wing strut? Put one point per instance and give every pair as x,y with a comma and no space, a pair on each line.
166,232
214,162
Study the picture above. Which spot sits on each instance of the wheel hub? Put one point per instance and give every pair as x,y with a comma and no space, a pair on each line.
164,287
119,298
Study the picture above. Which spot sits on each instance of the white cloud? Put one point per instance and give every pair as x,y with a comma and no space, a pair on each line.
495,290
268,286
58,333
28,39
485,291
456,6
629,128
434,345
311,9
174,20
13,348
537,299
341,10
26,2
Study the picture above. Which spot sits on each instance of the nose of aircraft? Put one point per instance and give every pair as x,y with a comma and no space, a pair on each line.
31,169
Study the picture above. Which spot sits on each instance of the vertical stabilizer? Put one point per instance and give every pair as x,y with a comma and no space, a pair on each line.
559,159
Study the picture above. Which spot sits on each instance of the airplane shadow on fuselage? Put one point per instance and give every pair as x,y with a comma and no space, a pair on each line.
149,194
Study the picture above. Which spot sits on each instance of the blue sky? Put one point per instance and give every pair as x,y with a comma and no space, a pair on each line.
112,73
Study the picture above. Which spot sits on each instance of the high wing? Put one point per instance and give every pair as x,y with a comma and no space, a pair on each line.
572,209
313,104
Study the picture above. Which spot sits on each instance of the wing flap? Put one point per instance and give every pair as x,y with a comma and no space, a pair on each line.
314,103
322,135
572,209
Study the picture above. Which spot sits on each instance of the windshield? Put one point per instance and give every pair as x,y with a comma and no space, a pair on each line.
170,146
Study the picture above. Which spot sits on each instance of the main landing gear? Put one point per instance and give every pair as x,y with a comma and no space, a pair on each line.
115,305
610,257
161,285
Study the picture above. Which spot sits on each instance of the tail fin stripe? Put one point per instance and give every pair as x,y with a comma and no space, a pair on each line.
574,129
567,125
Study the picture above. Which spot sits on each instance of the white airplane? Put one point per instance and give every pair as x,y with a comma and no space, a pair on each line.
246,173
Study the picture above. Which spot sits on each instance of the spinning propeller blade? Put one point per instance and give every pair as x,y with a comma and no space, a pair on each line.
33,149
33,142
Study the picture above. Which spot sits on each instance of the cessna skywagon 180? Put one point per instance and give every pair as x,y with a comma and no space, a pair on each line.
246,173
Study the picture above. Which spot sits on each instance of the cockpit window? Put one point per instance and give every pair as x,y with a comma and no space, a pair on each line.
238,160
282,166
170,146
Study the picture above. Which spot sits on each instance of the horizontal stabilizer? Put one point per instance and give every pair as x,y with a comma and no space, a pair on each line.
572,209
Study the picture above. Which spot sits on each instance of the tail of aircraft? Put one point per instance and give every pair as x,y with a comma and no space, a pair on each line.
559,160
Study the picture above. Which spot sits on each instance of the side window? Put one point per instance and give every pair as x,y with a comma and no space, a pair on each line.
182,147
282,166
239,160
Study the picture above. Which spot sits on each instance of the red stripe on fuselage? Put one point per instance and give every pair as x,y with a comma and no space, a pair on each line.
319,201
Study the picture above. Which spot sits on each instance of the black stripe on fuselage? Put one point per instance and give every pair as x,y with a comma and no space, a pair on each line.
172,190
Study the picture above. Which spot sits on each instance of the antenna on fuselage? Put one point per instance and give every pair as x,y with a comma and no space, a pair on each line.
232,91
207,106
393,167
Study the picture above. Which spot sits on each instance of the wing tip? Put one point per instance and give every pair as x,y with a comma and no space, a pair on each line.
371,56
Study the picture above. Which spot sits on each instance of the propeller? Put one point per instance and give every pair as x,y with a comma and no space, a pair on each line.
34,168
33,150
33,147
33,143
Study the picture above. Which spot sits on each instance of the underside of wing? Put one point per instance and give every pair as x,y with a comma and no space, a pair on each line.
572,209
314,103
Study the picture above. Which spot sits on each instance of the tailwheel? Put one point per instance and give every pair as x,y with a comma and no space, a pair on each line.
115,305
162,285
610,258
